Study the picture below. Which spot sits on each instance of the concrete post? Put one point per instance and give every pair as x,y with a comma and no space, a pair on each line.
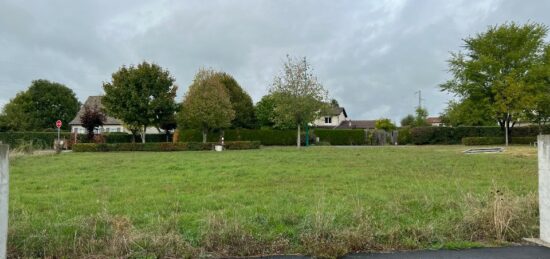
544,186
4,198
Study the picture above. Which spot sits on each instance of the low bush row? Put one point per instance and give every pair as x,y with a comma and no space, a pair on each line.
454,135
266,137
162,146
341,137
479,141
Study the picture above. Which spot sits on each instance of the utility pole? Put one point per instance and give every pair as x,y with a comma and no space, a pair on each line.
419,92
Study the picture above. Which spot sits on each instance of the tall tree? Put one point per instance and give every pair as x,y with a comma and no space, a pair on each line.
298,96
141,95
385,124
495,69
40,106
206,104
468,113
240,101
265,114
91,119
407,120
421,116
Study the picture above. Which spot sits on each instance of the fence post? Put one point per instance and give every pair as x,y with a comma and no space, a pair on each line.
4,198
544,186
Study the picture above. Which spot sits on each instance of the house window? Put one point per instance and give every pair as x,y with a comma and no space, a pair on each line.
107,130
328,120
117,129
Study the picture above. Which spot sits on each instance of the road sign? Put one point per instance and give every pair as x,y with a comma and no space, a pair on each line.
58,124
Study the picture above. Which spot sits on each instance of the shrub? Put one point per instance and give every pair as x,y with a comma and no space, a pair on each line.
266,137
404,136
478,141
450,135
44,139
342,137
162,146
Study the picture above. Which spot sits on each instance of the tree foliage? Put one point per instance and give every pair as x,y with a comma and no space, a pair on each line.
265,114
240,101
385,124
298,96
206,104
497,69
407,121
39,107
141,95
468,113
92,118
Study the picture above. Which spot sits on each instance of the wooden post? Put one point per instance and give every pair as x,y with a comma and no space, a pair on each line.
4,198
544,186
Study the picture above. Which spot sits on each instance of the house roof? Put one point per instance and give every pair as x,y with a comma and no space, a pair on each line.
94,101
357,124
432,120
335,111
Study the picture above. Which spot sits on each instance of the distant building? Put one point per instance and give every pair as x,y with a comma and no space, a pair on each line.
109,125
357,124
434,121
332,119
337,118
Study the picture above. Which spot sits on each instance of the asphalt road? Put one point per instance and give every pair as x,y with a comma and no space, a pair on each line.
515,252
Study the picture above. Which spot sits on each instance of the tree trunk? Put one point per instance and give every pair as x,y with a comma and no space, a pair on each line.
298,137
204,132
143,134
507,127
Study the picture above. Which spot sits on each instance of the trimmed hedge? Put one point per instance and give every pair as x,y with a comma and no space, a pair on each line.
342,137
454,135
267,137
164,146
46,139
480,141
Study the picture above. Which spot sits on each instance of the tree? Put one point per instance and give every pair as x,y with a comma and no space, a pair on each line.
92,118
539,110
420,118
496,69
206,104
385,124
334,103
40,106
141,95
468,113
298,96
407,121
265,114
240,101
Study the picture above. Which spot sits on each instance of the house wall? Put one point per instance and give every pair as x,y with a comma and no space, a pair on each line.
336,120
112,128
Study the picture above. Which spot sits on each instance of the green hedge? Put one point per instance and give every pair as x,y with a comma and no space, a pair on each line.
479,141
342,137
45,139
266,137
454,135
163,146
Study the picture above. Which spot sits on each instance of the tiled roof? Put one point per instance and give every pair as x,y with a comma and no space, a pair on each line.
432,120
91,102
357,124
335,111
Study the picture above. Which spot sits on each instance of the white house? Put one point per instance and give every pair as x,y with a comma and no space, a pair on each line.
332,119
109,125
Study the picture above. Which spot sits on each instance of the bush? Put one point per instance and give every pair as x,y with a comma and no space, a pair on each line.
478,141
404,136
266,137
450,135
163,146
342,137
45,139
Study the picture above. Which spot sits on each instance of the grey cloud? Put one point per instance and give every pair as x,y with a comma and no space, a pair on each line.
371,56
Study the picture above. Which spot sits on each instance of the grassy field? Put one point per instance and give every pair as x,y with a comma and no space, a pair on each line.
324,201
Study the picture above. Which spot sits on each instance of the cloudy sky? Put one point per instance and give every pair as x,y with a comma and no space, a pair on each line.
371,55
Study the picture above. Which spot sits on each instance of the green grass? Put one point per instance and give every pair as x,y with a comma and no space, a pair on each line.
324,201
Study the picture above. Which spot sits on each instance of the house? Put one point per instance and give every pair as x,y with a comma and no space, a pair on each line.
357,124
434,121
109,125
332,119
337,118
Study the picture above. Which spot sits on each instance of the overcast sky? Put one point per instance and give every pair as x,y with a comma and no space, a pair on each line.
370,55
